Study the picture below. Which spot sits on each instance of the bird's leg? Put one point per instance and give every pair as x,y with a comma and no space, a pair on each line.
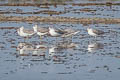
24,39
56,40
71,39
27,37
40,38
95,38
46,38
63,39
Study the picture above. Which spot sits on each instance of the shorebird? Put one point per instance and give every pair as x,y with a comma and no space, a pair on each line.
41,31
25,32
94,32
62,33
55,32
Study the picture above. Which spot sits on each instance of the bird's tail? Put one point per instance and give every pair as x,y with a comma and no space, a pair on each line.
71,34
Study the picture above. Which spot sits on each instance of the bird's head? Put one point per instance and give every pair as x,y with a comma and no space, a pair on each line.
22,28
51,28
88,29
35,28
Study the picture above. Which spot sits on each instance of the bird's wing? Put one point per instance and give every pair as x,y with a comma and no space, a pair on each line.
59,31
42,30
98,32
28,31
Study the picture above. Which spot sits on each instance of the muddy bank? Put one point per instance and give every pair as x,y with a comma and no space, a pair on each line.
60,19
55,4
49,12
1,28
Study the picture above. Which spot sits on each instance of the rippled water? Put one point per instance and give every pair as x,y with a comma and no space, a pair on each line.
55,59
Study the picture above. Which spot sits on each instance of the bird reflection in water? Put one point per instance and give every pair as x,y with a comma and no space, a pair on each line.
55,52
58,52
39,50
29,49
24,49
95,46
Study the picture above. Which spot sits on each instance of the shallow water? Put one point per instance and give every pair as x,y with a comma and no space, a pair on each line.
57,59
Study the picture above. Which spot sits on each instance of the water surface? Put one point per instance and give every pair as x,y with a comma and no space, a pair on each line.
54,61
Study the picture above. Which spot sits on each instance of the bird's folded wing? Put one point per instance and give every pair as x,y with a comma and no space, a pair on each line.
28,31
60,31
98,32
42,30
